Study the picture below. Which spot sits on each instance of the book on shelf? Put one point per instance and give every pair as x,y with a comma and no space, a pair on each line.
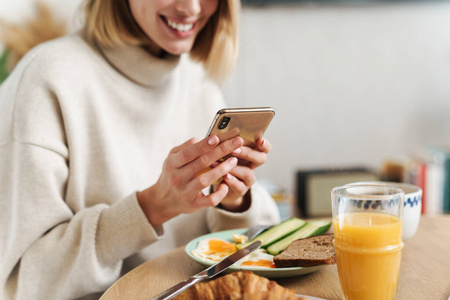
439,182
432,174
430,171
420,180
416,173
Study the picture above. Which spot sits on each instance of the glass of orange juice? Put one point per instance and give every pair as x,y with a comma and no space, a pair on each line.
367,222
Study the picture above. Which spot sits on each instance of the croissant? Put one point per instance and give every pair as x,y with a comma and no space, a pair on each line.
271,296
238,286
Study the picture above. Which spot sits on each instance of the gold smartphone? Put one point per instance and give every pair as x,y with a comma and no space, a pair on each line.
250,123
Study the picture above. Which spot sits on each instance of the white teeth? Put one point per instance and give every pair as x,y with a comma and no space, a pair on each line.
180,27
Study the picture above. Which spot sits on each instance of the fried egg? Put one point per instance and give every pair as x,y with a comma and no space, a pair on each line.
258,259
214,250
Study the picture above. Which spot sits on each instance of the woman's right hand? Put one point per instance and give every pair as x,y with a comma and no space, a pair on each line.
179,187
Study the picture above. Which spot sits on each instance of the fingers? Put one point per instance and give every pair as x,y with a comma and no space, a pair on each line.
263,145
190,150
242,174
185,144
237,186
208,159
212,199
254,157
207,178
223,136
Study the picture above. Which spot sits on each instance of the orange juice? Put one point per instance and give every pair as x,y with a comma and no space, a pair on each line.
368,250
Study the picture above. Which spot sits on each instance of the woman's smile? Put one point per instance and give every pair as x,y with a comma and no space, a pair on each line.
181,29
172,25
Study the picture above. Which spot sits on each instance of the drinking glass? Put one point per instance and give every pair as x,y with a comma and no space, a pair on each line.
367,222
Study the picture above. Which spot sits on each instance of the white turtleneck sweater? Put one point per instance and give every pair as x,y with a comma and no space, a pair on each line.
81,131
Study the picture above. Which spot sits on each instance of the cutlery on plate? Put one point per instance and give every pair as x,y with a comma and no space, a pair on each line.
209,272
255,230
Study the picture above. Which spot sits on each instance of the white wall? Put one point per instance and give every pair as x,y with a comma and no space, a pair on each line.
351,84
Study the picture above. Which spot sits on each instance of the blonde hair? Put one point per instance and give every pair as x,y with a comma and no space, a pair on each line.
110,23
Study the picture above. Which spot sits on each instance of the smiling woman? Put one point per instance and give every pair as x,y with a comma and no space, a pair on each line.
99,149
174,27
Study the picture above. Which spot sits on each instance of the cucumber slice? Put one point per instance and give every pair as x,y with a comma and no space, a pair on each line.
310,229
276,232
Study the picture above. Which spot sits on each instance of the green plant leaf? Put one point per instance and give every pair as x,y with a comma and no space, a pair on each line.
3,65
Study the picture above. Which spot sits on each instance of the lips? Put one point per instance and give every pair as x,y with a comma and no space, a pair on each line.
181,27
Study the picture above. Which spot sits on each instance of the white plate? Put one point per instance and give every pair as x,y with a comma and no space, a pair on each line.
266,272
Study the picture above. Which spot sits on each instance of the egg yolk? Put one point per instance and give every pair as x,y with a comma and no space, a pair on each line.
258,263
218,246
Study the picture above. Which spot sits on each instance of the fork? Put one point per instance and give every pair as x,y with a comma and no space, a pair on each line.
255,230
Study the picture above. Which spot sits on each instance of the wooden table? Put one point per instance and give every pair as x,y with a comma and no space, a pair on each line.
424,272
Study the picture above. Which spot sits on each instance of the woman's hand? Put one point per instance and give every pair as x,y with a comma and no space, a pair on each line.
179,187
241,177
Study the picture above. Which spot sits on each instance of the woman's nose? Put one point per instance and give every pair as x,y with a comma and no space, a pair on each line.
188,7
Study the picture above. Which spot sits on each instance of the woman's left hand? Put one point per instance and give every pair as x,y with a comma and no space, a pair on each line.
242,177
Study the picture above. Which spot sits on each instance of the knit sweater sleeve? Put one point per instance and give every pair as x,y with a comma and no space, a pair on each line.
49,249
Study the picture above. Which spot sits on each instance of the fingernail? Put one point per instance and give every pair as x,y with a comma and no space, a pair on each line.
213,140
232,161
237,151
227,177
262,142
237,141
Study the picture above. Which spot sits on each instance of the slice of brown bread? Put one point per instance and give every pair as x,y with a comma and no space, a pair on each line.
312,251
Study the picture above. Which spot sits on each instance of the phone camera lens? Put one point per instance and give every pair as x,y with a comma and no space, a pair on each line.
224,122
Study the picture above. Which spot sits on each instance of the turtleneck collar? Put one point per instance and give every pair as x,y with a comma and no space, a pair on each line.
139,65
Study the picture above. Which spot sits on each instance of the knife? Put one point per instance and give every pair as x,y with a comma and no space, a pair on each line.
208,273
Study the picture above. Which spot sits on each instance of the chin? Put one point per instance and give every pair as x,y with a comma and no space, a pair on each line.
178,49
